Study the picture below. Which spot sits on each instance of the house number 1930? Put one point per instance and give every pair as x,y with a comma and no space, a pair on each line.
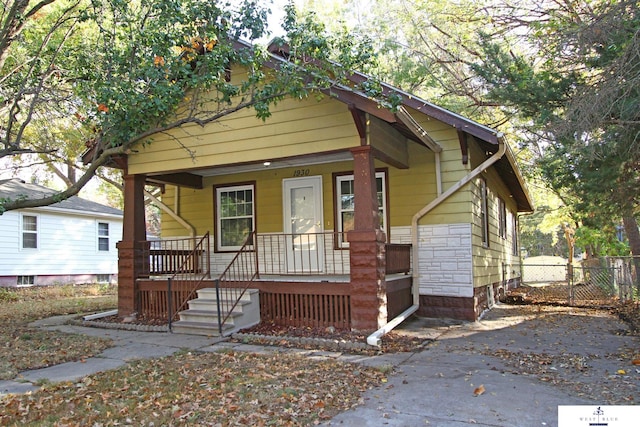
301,172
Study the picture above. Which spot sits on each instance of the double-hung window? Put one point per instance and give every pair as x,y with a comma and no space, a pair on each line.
29,232
103,236
345,203
235,216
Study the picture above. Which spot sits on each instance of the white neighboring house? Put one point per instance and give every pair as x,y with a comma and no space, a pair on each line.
73,241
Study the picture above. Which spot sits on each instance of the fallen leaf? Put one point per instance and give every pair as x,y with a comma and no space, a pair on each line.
635,362
479,390
621,372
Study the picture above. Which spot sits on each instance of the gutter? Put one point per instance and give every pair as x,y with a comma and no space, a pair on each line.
374,339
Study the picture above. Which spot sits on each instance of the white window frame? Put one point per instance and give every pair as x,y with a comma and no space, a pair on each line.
219,219
26,280
382,207
102,237
34,232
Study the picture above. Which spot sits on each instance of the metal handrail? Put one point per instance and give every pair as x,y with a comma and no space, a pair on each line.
184,277
236,278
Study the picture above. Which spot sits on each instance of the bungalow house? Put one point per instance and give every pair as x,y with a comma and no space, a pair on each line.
73,241
334,212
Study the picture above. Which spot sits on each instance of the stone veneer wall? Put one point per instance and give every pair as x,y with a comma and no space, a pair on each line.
445,268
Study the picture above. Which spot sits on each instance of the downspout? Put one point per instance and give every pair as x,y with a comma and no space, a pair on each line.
374,339
502,148
172,214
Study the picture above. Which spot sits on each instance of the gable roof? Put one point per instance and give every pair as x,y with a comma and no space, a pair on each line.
16,188
487,138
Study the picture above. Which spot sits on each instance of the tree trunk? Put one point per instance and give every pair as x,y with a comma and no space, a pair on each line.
633,234
631,228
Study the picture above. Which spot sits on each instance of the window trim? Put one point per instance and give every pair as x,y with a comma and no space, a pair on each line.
515,250
101,237
217,189
337,220
23,231
484,212
30,279
502,218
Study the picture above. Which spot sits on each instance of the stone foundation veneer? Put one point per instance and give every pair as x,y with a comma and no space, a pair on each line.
445,265
469,308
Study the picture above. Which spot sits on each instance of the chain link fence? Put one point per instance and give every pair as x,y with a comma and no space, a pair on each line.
591,283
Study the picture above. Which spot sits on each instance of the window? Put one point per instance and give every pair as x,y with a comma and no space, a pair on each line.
103,278
345,202
514,234
484,217
103,236
29,232
26,280
502,219
235,216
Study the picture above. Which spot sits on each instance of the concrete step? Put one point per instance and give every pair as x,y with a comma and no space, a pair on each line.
210,293
198,328
212,305
202,316
206,316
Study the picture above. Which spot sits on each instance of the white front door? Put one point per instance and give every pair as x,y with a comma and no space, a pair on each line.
302,222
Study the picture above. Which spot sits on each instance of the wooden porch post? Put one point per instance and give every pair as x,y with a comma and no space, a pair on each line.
130,250
367,246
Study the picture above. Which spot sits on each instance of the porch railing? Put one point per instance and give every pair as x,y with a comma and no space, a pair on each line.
186,262
235,280
302,254
398,258
171,256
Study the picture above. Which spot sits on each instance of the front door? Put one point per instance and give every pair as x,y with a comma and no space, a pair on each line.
303,224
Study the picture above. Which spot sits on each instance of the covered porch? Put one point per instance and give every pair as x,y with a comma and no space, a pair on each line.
354,280
302,279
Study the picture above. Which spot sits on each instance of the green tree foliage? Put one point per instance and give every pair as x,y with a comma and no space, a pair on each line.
576,85
118,72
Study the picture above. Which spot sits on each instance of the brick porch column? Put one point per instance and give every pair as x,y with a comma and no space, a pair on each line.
367,248
131,262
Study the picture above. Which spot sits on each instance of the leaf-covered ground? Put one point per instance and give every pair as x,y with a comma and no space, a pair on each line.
200,389
584,351
23,347
390,343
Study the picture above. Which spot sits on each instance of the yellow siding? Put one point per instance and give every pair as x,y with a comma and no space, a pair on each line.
295,128
409,189
488,262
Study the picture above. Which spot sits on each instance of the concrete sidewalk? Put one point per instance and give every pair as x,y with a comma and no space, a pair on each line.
435,386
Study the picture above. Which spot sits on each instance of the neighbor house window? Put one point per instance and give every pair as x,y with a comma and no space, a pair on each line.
103,278
502,219
103,236
345,203
29,231
484,217
235,216
26,280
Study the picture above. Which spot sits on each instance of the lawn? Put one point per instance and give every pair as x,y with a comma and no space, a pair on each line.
23,347
188,388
